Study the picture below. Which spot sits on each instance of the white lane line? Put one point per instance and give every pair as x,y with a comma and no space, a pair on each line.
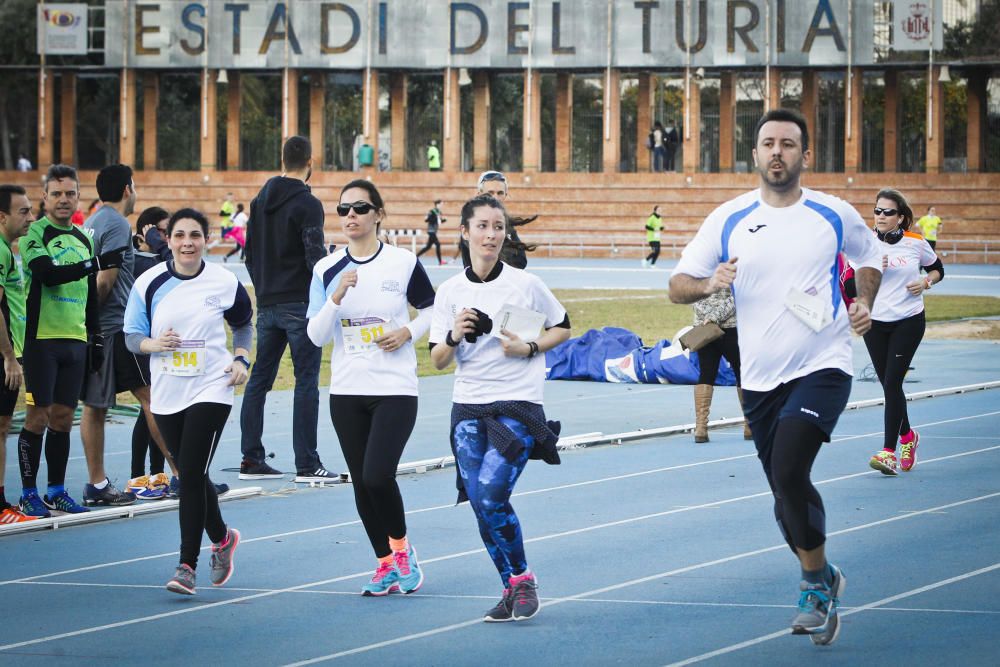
644,580
870,606
602,480
492,597
187,610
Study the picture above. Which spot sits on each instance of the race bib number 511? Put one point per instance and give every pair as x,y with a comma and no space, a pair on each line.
360,333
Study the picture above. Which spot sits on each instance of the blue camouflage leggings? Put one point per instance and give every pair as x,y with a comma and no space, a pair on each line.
489,480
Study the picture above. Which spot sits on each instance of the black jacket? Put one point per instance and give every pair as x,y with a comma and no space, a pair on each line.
284,241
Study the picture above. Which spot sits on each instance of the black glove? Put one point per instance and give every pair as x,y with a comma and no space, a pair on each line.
483,325
95,353
111,259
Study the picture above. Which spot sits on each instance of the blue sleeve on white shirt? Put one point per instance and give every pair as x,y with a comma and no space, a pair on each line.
420,292
136,318
317,295
241,312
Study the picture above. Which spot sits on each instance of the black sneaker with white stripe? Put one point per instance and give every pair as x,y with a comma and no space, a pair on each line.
320,474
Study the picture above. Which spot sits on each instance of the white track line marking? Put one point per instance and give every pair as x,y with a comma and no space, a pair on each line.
613,478
638,581
872,605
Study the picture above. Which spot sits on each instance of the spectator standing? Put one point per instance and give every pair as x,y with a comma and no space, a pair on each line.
671,139
657,139
15,218
284,242
433,157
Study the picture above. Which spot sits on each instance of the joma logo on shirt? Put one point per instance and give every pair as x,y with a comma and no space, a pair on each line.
391,286
213,302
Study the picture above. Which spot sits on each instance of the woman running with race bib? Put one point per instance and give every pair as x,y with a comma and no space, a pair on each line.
898,321
177,312
487,319
359,299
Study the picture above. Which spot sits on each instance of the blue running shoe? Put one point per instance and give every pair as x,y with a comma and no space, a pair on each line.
384,582
411,577
818,605
32,505
61,502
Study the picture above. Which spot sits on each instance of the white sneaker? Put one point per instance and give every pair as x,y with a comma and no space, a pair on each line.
645,263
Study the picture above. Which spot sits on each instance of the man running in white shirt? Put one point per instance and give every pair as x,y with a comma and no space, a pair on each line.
776,248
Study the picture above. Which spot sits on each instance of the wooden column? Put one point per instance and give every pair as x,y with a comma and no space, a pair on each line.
891,121
691,135
67,118
935,123
774,92
127,114
207,119
564,121
611,126
853,136
976,119
317,120
234,100
531,145
481,120
644,120
46,118
810,101
290,104
371,127
727,121
451,151
150,102
398,103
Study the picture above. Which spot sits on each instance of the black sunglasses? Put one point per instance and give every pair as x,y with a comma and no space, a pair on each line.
360,207
886,211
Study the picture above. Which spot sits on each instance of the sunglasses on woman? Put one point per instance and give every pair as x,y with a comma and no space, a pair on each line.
360,207
888,212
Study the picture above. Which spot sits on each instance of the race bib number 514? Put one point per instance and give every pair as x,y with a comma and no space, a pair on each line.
187,360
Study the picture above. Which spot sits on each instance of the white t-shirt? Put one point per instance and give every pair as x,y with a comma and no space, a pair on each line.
197,308
388,282
483,373
778,249
240,219
894,302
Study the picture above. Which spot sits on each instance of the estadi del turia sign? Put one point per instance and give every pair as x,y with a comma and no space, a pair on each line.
435,34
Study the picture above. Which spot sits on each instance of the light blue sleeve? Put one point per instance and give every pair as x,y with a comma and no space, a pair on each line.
317,295
136,318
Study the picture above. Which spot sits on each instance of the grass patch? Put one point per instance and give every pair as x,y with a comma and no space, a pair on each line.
648,313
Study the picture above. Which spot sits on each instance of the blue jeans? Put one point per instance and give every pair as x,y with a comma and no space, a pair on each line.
277,326
659,158
489,478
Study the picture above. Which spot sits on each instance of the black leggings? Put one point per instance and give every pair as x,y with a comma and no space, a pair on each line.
788,461
141,443
709,357
891,345
373,431
655,247
432,240
192,436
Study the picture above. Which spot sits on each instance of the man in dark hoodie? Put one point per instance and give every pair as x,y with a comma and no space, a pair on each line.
284,242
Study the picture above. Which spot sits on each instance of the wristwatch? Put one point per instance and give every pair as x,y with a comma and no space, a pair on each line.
243,360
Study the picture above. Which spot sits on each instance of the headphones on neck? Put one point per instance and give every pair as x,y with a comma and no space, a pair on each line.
892,237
